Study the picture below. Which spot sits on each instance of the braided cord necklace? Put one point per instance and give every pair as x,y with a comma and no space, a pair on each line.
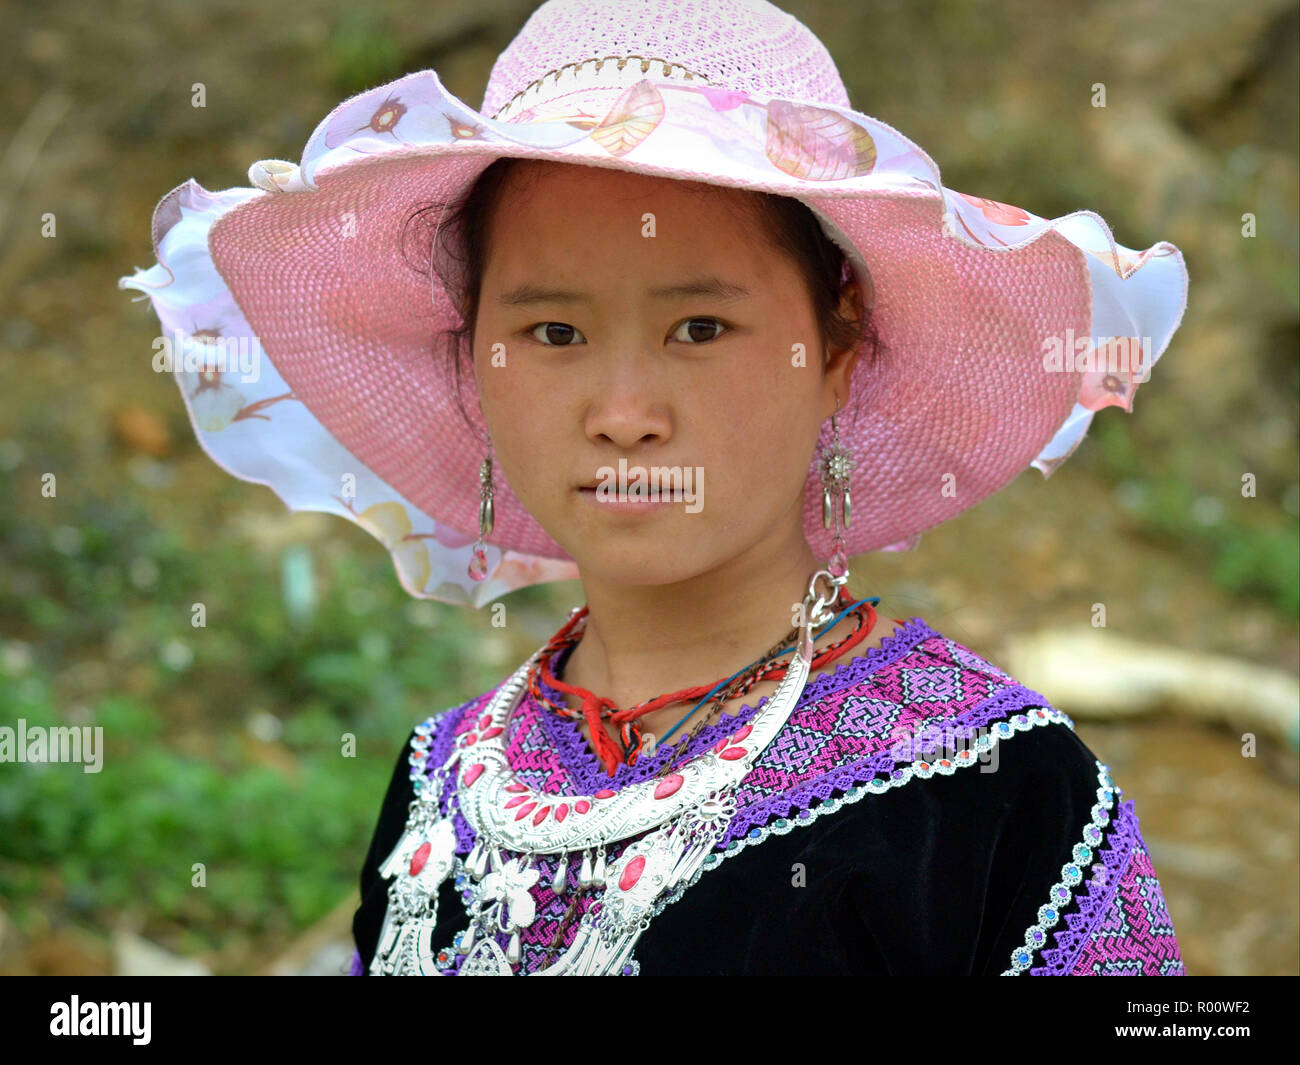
749,676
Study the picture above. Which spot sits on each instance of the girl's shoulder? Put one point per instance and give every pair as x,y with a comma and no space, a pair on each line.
924,747
919,705
443,727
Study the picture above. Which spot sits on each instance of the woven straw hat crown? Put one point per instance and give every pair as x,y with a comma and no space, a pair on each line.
746,45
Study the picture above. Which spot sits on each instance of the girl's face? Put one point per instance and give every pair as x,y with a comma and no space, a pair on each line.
629,317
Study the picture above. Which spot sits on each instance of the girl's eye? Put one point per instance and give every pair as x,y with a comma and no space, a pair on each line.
556,335
694,328
691,331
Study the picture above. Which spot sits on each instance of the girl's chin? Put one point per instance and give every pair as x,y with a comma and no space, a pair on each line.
633,567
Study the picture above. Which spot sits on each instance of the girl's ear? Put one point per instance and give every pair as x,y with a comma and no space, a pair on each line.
865,288
840,361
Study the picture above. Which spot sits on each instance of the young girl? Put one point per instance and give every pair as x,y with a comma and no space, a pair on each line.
670,317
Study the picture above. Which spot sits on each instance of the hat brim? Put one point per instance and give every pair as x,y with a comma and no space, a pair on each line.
348,413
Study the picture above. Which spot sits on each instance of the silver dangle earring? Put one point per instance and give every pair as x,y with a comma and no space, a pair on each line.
837,464
478,563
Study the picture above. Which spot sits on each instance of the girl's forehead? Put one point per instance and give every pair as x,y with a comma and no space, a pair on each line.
646,230
602,228
592,263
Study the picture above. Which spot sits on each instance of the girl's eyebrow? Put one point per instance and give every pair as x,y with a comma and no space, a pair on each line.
716,287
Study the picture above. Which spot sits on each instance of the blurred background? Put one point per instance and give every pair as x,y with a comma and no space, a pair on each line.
224,741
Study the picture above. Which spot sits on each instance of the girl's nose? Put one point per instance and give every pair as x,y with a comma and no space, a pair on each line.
626,414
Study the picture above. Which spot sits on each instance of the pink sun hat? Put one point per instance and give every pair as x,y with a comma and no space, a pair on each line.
1003,332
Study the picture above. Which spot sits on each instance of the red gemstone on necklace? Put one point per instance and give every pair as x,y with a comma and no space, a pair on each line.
485,721
720,744
732,753
473,773
742,733
525,810
669,784
604,793
420,857
540,816
562,811
582,806
516,787
495,731
471,738
632,873
516,801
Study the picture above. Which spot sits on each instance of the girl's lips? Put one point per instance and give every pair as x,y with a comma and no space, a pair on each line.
623,506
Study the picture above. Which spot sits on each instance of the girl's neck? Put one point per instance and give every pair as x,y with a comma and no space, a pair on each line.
643,641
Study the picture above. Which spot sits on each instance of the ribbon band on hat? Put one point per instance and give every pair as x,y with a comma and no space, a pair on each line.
619,71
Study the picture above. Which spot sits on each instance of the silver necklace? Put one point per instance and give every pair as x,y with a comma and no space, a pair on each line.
682,816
